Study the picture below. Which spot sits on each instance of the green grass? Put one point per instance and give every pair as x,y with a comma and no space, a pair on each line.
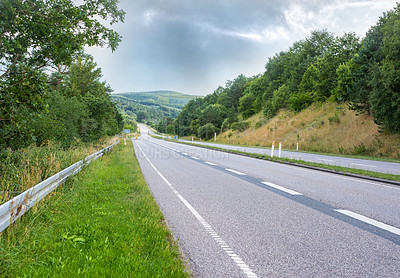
103,223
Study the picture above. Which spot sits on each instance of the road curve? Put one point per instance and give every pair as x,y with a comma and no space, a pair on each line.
235,216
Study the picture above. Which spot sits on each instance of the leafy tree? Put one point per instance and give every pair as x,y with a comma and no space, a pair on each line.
246,105
170,129
344,81
309,83
385,96
230,96
83,82
190,112
207,131
213,113
300,101
141,116
43,35
280,99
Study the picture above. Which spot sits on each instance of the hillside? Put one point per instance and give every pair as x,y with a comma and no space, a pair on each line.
151,106
326,127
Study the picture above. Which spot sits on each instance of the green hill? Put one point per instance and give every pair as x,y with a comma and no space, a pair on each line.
151,106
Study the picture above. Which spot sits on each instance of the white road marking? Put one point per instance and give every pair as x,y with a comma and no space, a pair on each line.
210,163
368,220
289,191
236,172
239,262
195,157
184,153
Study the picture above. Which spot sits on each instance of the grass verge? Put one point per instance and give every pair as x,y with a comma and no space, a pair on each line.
103,223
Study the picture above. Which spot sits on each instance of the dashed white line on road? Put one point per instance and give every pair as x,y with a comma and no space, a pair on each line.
184,153
224,246
195,157
210,163
236,172
281,188
370,221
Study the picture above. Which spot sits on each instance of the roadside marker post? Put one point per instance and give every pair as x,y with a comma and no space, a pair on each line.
215,136
272,149
280,150
192,140
297,147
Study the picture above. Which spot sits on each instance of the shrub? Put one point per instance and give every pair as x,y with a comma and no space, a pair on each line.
300,101
240,126
207,131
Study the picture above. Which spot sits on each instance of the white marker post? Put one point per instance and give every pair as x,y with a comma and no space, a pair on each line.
192,140
215,136
272,149
280,150
125,141
297,147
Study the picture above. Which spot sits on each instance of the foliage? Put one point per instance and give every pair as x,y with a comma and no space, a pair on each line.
322,67
38,37
163,125
240,126
207,131
280,99
300,101
376,87
85,228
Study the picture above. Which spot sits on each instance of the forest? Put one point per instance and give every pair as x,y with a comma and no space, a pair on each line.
50,90
150,107
363,73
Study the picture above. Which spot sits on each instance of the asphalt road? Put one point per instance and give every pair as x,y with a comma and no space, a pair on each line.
364,164
235,216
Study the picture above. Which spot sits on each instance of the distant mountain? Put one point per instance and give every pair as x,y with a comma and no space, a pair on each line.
151,106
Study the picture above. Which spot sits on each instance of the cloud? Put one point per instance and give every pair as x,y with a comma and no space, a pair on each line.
194,46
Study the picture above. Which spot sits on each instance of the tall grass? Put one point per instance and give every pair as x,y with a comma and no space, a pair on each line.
21,169
103,223
326,127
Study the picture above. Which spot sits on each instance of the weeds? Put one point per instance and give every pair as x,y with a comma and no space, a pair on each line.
24,168
103,223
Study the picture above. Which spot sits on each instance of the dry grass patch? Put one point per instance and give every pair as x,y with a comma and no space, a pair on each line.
323,127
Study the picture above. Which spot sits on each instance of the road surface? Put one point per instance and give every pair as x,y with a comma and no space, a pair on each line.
363,164
235,216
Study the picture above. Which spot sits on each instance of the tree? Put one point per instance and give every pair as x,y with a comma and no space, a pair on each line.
230,96
344,81
214,113
246,105
141,117
84,82
43,35
280,99
385,96
207,131
376,82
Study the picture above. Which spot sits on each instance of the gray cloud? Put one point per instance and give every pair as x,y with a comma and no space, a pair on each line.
194,46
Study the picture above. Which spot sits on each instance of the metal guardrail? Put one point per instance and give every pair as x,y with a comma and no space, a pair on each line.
17,206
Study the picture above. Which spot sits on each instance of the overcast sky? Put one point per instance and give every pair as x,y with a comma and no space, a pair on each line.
193,46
